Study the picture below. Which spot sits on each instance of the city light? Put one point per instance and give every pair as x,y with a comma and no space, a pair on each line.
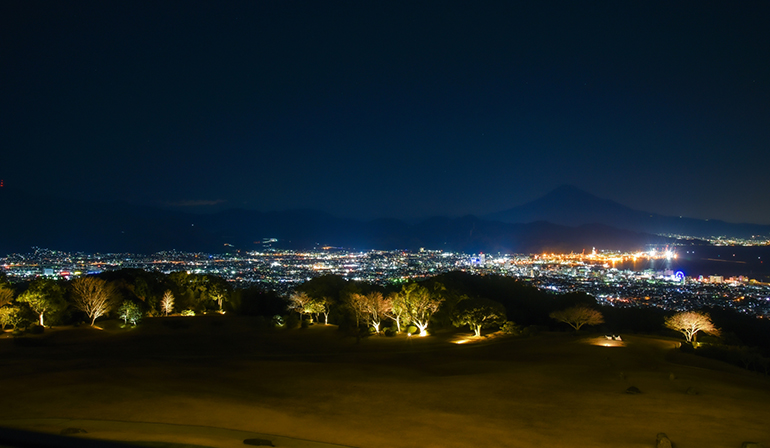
614,278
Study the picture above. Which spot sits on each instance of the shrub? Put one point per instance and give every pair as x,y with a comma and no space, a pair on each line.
411,329
188,313
510,328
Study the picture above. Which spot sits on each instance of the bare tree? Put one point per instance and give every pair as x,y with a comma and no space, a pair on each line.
577,316
358,304
93,296
167,302
689,323
375,309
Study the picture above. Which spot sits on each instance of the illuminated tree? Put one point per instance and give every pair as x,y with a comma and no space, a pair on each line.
371,307
397,309
167,302
218,293
689,323
324,305
420,304
314,308
478,313
302,304
43,296
9,315
358,305
577,316
6,295
130,312
93,296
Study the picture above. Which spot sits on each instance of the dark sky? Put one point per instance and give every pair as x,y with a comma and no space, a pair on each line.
401,109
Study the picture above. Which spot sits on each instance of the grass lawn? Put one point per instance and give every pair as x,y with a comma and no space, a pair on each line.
218,372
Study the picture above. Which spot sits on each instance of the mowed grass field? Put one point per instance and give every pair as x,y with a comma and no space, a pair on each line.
553,389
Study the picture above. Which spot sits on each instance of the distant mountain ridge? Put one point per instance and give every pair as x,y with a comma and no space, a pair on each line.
570,206
122,227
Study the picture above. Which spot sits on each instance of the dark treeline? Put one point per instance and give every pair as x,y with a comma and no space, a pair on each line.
45,302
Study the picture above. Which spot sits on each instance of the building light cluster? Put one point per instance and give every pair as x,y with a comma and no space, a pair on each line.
600,274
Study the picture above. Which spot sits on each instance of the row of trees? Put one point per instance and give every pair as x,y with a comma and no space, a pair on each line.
133,294
130,295
413,305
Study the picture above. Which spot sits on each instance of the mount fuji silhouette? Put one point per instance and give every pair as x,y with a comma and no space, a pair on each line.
571,206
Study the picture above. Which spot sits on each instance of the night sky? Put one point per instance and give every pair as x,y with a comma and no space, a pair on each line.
400,109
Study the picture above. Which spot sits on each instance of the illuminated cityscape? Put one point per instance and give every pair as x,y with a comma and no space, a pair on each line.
597,273
362,224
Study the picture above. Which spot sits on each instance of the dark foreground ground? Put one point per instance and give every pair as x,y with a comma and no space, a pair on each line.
219,375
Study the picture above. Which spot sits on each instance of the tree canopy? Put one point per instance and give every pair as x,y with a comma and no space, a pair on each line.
689,323
44,296
93,296
577,316
478,313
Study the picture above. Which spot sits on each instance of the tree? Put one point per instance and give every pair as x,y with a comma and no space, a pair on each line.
372,307
130,312
302,304
478,313
689,323
167,302
358,304
577,316
218,292
9,315
397,309
324,304
43,296
6,295
420,305
93,296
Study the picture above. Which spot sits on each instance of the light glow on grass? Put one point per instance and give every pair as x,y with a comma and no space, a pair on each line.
471,338
602,341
